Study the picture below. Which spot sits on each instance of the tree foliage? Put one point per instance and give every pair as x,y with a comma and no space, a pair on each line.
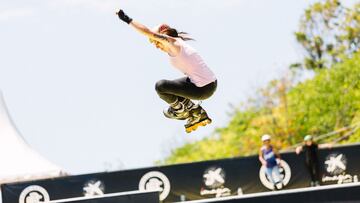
328,33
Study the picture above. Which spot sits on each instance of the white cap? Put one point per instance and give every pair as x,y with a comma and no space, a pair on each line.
265,137
308,137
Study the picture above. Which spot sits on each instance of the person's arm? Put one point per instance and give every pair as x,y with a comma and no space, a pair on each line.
277,154
262,160
298,149
164,39
326,145
278,157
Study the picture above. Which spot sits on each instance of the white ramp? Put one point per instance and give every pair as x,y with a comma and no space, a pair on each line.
19,162
121,197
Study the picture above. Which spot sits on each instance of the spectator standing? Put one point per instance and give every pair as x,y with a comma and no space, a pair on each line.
310,149
270,158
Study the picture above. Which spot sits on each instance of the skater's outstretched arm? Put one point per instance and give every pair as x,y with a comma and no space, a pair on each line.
152,35
164,39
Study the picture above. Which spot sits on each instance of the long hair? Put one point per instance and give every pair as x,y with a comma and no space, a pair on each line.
172,32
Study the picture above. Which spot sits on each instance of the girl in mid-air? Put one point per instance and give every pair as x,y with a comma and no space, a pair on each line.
199,84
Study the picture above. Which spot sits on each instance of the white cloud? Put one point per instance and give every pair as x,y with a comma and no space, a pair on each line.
15,13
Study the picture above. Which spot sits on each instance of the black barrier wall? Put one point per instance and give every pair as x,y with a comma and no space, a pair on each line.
195,180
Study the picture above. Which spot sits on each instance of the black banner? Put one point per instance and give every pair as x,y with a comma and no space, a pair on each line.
201,180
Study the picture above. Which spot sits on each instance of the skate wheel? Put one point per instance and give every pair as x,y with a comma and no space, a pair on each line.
206,122
191,129
194,127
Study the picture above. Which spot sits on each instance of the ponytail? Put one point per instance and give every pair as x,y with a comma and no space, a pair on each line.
184,36
174,33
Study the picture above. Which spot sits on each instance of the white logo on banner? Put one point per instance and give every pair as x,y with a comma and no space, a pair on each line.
214,177
214,180
336,164
34,194
155,180
93,188
285,175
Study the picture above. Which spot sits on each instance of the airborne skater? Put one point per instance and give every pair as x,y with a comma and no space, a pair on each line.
200,82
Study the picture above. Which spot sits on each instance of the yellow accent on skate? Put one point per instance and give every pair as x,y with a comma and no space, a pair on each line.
194,127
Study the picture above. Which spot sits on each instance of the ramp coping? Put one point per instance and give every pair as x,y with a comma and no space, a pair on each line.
102,196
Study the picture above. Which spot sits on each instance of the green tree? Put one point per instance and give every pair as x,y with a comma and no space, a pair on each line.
328,33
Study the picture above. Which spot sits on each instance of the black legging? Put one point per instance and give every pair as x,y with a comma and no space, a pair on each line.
171,90
313,169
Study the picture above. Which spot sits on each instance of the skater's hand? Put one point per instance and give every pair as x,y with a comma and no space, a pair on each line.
123,16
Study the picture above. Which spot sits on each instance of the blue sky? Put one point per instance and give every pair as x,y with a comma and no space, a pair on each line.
79,83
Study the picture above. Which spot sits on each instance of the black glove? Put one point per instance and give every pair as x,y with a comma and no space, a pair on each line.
124,17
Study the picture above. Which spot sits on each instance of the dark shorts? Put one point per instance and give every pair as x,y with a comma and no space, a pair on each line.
171,90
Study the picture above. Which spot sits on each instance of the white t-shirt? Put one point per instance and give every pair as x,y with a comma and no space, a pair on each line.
189,62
